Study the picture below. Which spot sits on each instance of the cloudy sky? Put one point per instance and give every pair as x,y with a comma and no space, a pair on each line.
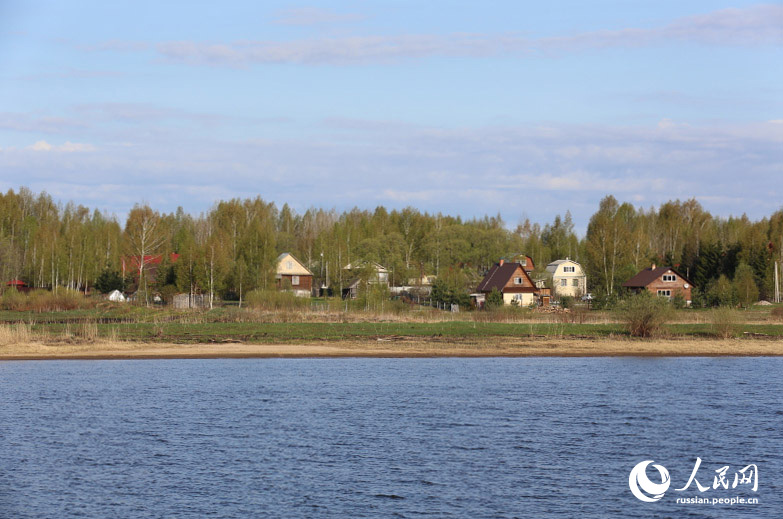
471,108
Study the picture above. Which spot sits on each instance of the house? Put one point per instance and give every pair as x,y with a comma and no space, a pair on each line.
568,278
526,262
377,275
661,281
291,274
425,280
512,280
151,263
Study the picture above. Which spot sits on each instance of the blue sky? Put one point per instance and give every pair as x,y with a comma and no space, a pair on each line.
470,108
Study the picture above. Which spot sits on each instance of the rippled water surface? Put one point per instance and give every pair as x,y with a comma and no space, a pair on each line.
384,437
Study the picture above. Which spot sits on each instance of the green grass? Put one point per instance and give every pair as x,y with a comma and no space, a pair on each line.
300,332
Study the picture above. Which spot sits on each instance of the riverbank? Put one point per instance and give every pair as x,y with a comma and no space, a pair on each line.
399,347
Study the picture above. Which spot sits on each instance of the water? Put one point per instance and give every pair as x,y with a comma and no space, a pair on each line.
383,437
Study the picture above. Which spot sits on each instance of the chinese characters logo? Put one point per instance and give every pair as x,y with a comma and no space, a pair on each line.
650,491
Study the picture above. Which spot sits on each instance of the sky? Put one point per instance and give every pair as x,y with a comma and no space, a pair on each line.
522,108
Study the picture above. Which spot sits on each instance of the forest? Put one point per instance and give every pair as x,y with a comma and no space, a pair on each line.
231,249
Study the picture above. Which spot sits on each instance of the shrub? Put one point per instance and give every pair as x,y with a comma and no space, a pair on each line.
13,300
566,302
678,302
62,299
109,280
494,299
725,322
276,300
645,314
721,292
777,313
604,301
45,301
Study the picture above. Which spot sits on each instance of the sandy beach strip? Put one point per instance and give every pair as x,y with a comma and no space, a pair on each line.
400,347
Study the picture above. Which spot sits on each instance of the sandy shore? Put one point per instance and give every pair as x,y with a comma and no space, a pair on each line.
495,347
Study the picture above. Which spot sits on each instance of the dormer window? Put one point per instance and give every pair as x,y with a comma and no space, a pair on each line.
518,281
569,269
669,277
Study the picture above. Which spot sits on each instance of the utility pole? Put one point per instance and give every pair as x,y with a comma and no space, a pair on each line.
777,284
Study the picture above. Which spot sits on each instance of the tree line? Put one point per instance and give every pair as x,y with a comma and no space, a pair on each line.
231,249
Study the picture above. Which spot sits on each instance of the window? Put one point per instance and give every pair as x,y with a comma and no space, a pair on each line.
289,265
563,282
523,262
575,283
569,269
665,293
294,280
517,297
669,277
517,281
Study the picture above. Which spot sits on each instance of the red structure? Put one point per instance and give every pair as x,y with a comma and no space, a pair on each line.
151,263
19,285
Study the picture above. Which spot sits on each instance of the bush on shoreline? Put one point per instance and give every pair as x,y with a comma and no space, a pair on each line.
725,322
645,314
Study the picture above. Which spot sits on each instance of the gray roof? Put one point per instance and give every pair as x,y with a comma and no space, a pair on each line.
552,267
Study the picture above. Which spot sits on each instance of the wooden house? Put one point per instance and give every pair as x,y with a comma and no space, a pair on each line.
291,274
514,282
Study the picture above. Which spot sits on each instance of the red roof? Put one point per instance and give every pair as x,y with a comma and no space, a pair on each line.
16,283
151,259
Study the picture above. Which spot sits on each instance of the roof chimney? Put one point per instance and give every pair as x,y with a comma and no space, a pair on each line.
501,262
652,267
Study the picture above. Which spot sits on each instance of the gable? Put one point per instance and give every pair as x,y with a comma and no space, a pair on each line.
518,279
503,278
288,265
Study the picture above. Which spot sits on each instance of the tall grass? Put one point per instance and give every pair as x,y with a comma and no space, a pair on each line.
276,300
17,333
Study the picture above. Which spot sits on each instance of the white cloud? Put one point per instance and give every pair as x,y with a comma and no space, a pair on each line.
67,147
41,146
757,25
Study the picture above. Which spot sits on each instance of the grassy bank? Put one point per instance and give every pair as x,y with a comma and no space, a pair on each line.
114,322
297,332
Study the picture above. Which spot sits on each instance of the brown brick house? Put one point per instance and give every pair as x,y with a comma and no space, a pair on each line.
661,281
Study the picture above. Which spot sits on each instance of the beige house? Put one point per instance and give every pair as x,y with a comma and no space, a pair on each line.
568,278
291,274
